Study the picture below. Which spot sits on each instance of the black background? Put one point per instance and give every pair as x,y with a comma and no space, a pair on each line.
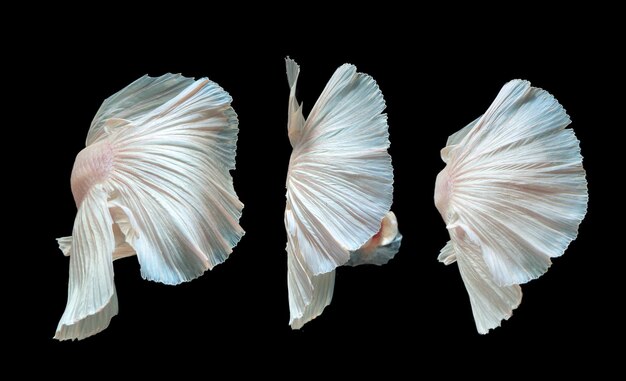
412,312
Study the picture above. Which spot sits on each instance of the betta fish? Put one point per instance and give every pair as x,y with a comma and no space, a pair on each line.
339,188
152,181
512,195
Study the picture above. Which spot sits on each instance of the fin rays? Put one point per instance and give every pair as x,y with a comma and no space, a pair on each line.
165,193
513,194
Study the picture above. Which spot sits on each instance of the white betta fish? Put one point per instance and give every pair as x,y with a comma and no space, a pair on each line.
153,181
339,188
512,195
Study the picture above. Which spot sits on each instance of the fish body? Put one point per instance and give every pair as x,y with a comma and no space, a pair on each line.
339,188
152,181
512,196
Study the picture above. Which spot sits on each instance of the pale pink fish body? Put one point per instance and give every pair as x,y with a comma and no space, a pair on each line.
154,182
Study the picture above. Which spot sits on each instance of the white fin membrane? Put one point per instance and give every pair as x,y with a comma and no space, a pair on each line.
339,184
153,181
91,301
512,195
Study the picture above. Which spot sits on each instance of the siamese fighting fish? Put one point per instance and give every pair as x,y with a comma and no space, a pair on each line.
152,181
512,194
339,188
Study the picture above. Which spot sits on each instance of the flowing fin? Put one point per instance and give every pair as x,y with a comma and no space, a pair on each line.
515,182
153,181
447,256
91,292
308,294
65,244
296,119
134,101
490,303
339,184
340,175
455,139
173,187
323,286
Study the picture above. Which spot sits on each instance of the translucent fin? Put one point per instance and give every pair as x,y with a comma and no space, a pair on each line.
296,119
308,294
323,287
447,256
122,248
339,184
455,139
490,303
153,181
516,184
65,244
135,101
340,177
176,203
91,293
